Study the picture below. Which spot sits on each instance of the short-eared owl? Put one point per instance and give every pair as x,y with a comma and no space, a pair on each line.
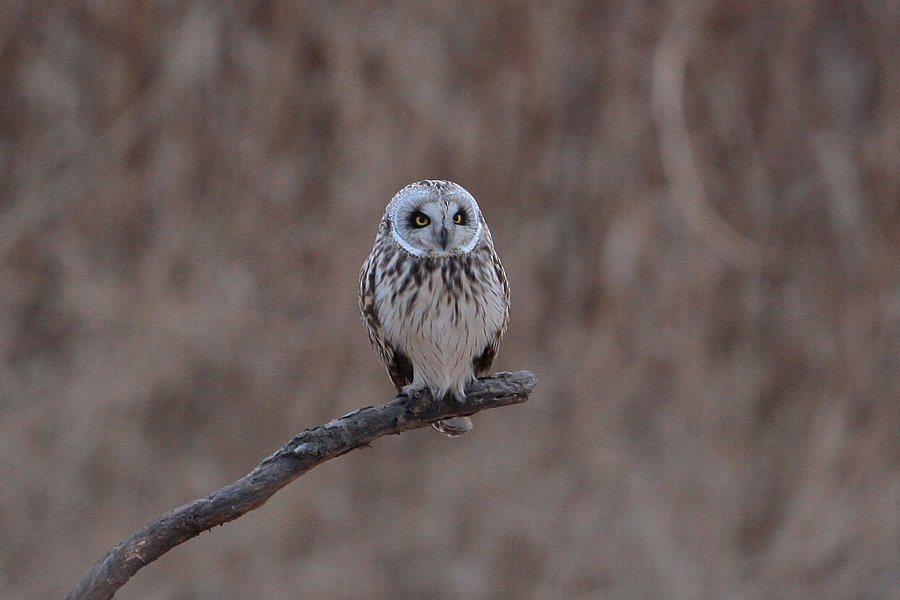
433,293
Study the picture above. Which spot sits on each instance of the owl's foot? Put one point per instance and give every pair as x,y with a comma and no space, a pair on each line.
418,403
454,426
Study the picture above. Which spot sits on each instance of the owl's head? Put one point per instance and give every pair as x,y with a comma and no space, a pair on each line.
435,218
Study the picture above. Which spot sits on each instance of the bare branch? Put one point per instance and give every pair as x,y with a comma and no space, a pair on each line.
306,450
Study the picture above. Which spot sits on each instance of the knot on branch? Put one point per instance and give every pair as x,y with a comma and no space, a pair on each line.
419,402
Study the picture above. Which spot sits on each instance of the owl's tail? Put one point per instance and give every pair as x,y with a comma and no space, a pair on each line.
454,426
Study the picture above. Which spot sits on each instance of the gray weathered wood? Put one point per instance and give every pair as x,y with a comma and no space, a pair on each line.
304,451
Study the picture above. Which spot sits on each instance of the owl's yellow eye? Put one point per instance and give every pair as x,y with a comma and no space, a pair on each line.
459,218
420,220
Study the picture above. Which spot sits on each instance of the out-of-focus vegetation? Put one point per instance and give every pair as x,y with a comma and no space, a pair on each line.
697,204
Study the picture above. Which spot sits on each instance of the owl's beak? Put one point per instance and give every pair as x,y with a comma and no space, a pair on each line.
444,238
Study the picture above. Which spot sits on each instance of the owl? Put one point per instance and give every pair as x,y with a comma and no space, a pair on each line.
433,294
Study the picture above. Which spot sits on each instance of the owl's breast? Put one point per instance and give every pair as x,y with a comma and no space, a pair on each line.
449,311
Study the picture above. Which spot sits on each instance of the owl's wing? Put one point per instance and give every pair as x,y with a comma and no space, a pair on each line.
482,362
398,365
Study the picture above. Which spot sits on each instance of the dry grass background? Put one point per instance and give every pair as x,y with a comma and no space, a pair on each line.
698,206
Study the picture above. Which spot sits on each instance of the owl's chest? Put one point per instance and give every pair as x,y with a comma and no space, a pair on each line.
446,310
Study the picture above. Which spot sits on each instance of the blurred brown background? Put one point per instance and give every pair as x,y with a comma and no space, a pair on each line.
698,206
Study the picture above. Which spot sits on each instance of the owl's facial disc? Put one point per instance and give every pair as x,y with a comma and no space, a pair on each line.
430,223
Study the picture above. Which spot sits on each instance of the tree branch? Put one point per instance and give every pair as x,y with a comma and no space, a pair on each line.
306,450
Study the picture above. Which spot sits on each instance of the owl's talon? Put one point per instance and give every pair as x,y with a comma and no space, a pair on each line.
454,426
